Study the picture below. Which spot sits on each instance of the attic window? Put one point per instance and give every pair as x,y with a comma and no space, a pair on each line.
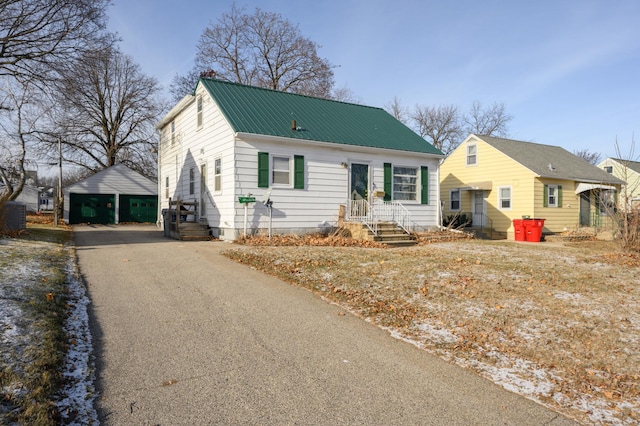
199,112
472,156
608,169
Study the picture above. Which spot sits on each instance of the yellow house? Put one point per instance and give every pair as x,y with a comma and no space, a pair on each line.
629,172
492,181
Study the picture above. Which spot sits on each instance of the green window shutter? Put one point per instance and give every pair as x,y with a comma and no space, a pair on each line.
424,183
388,178
597,203
545,196
263,170
298,172
615,201
559,195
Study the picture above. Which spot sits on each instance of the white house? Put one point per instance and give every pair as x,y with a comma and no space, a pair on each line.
113,195
311,158
28,196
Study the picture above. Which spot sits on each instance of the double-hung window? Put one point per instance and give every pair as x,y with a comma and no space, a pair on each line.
504,197
217,174
281,170
454,200
166,187
405,183
199,112
552,196
472,155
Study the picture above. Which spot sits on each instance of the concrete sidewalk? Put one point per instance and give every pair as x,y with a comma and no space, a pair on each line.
185,336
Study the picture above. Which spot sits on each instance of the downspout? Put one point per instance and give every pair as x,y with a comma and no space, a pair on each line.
438,194
159,218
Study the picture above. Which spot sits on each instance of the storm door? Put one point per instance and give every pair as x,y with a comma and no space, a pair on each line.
585,208
359,181
479,209
359,191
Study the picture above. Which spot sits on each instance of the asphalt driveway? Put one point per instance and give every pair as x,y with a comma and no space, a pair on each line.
185,336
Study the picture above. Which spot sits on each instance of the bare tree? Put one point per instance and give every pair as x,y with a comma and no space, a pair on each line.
626,226
260,49
398,110
344,94
18,129
590,157
36,33
107,111
441,126
490,121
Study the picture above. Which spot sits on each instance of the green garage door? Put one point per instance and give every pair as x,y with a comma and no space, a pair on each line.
138,208
92,208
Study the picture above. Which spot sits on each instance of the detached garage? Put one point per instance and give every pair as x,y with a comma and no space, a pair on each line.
114,195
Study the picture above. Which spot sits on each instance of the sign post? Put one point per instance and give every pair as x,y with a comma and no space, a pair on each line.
246,200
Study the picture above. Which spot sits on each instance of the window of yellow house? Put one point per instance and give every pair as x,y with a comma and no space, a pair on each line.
454,200
504,197
472,156
552,196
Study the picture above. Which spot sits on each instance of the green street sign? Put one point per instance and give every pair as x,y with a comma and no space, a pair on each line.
245,200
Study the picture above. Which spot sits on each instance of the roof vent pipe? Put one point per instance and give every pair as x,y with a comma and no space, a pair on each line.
293,125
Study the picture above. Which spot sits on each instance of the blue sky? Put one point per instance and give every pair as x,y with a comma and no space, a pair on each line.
568,71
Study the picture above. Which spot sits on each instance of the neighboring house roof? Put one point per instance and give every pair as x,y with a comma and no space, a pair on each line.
550,161
260,111
115,179
632,165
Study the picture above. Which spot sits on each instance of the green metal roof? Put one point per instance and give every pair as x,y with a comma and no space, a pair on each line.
268,112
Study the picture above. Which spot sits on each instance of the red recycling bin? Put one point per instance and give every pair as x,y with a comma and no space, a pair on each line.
519,230
533,230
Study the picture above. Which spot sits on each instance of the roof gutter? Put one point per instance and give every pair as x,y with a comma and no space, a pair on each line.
180,106
334,145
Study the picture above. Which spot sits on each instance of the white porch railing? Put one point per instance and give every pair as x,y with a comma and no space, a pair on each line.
371,214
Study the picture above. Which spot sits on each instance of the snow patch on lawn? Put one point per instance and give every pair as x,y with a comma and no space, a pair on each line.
17,273
78,395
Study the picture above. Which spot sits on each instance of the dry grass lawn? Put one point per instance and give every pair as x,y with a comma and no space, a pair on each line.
556,322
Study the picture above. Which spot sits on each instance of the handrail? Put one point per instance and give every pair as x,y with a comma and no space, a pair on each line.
371,214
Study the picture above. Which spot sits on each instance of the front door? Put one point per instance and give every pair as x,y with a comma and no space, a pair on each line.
479,207
359,190
359,181
585,208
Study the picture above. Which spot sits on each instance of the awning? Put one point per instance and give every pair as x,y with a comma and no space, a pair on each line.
478,186
582,187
